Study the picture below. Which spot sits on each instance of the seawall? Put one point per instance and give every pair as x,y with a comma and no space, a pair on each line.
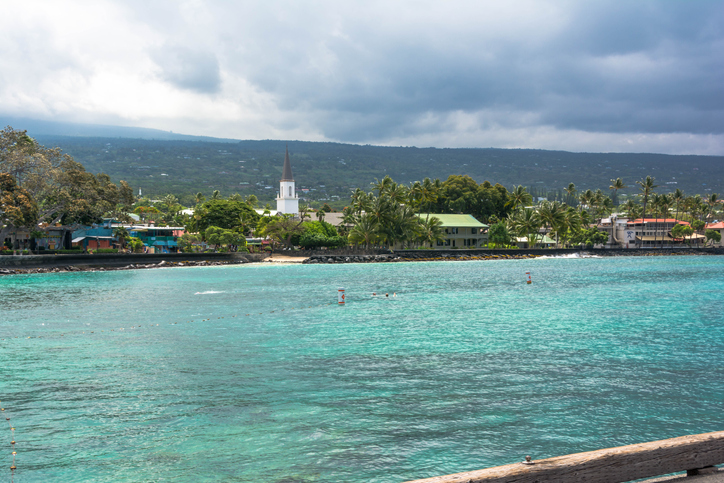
11,262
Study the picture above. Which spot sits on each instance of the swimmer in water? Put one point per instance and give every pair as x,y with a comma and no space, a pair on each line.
374,294
387,295
394,294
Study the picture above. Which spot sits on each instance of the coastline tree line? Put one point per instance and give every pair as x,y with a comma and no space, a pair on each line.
41,187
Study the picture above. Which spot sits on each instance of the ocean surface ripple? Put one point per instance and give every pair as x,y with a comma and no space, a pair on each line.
160,375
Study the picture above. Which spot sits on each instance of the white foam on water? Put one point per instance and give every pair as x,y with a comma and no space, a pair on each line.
569,255
208,292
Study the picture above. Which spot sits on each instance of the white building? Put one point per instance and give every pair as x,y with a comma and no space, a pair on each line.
287,201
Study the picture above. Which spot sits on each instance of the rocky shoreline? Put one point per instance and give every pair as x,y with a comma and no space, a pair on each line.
131,266
427,256
398,256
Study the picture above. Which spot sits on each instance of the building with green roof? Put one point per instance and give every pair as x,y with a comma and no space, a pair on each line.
461,231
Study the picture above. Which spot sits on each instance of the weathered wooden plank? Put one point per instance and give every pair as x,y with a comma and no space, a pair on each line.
611,465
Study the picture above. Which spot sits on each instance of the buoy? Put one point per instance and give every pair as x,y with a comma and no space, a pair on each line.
340,296
529,281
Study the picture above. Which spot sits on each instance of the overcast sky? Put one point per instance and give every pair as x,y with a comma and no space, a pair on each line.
619,76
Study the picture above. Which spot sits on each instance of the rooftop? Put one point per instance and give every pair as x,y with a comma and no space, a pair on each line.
459,221
639,221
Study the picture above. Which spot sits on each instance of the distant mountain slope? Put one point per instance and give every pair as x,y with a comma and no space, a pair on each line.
162,162
330,171
49,128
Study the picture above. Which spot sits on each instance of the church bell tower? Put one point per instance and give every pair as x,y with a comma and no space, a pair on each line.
287,201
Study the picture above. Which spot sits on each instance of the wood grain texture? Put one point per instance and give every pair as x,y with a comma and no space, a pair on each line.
612,465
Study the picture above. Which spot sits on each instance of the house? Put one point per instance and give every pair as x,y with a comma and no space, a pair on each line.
158,238
650,233
461,231
719,226
93,237
542,241
54,238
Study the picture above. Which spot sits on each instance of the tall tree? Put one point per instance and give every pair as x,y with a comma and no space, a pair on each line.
646,188
17,207
527,223
571,193
519,196
552,214
365,231
678,197
616,185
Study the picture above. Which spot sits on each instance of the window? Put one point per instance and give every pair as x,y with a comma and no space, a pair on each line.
454,231
474,231
290,191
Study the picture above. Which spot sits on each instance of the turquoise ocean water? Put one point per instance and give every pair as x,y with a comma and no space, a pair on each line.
468,367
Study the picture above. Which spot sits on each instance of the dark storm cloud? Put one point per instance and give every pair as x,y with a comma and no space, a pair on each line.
644,67
189,69
593,75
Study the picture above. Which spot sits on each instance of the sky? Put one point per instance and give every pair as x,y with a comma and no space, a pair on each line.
593,76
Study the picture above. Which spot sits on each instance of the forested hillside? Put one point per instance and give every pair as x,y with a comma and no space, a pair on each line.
331,171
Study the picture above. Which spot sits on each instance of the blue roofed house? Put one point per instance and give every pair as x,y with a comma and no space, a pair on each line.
158,238
93,237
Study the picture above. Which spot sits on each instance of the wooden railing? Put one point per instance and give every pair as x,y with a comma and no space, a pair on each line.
693,454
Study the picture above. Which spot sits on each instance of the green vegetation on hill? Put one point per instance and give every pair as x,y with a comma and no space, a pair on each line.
331,171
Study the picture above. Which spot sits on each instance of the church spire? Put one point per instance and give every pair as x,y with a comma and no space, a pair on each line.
287,172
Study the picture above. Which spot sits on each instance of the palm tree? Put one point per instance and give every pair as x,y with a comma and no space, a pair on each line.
216,195
320,215
597,201
656,208
665,202
606,206
415,195
712,200
570,224
526,222
519,196
383,186
121,233
646,186
552,214
585,199
360,201
616,184
430,193
398,193
252,201
200,198
571,190
678,197
364,231
404,226
381,210
431,230
631,208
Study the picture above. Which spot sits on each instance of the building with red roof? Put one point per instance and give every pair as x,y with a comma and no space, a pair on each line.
718,226
649,233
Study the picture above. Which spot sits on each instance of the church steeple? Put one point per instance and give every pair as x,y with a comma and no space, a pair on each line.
287,171
287,201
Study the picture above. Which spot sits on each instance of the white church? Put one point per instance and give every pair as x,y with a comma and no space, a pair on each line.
287,201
